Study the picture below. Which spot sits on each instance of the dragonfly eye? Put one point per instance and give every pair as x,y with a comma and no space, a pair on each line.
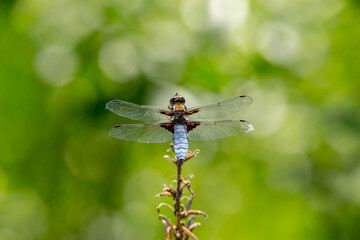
177,99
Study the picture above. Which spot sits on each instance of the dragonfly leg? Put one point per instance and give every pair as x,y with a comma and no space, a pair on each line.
188,156
171,149
174,160
192,154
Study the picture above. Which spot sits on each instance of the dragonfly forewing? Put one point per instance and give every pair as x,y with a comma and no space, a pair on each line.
137,112
220,109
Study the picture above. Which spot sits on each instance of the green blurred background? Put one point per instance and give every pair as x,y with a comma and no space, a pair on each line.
295,177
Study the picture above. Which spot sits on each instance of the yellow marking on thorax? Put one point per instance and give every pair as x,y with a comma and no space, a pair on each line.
179,107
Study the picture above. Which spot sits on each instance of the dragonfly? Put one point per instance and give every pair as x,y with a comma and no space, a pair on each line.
178,123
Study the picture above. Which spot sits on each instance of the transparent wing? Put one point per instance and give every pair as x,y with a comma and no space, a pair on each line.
136,112
219,129
220,109
146,133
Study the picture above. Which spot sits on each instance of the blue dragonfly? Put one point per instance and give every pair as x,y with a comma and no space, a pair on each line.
178,123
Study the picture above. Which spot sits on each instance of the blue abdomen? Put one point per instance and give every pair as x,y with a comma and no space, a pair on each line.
181,142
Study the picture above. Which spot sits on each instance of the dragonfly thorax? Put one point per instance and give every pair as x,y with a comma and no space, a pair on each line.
178,113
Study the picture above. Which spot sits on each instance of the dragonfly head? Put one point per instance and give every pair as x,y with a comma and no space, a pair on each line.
177,99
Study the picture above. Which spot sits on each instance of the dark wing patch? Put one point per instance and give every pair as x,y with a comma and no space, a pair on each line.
167,126
192,111
167,113
191,125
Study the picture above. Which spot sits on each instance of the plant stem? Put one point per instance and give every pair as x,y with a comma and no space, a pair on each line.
182,229
177,202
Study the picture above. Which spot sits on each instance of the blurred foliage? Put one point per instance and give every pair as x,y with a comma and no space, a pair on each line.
295,177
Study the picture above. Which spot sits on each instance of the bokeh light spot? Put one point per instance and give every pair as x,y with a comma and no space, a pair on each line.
279,43
164,50
118,60
194,14
56,65
228,13
109,227
22,216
